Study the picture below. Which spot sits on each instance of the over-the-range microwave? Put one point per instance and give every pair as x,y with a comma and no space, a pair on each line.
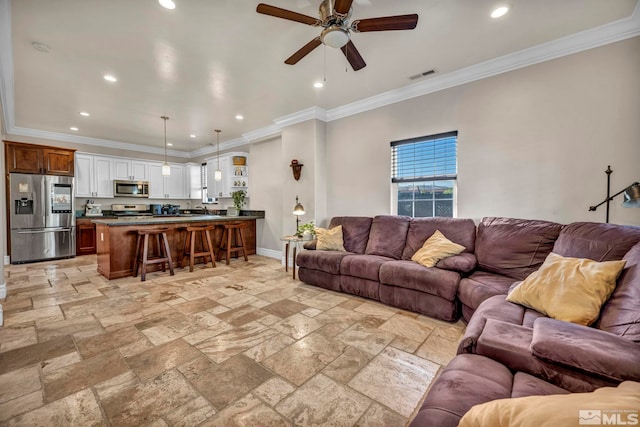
130,188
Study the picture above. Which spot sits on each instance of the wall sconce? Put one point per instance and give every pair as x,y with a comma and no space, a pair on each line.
297,168
631,195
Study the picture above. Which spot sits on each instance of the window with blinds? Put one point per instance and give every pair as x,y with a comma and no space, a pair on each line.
423,172
203,181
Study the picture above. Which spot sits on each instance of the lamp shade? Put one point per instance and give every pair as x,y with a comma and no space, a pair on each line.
166,170
632,196
298,209
217,175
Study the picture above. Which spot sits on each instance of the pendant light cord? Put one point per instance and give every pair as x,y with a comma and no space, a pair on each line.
165,118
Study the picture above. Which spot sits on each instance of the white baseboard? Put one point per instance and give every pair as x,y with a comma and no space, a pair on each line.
7,260
269,253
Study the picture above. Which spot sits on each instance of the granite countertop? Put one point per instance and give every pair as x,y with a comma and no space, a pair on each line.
168,220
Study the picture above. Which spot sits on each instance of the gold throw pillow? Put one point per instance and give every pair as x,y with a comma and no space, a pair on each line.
435,248
603,406
569,289
330,240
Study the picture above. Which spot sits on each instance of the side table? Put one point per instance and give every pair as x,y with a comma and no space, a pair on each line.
288,241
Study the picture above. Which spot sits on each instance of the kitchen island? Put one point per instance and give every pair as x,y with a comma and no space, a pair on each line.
116,238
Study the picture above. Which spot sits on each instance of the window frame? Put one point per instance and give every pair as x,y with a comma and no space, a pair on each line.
395,181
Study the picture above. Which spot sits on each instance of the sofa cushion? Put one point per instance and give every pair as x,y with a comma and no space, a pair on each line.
481,285
557,410
586,349
466,381
410,275
435,248
514,247
355,231
458,230
464,262
327,261
596,241
363,266
569,289
388,235
330,239
621,314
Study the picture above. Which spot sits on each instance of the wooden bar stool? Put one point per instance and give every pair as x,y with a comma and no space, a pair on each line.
233,240
142,252
190,245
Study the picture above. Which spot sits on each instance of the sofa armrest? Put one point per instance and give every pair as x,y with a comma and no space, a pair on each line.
310,245
586,349
463,263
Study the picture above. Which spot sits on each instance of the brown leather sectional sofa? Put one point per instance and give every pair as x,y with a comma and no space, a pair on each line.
507,350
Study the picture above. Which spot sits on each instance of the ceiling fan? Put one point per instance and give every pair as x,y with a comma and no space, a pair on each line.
335,18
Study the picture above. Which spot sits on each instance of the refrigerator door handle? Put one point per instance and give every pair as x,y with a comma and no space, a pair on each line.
47,230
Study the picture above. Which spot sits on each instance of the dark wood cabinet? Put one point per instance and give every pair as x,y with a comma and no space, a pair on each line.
85,237
30,158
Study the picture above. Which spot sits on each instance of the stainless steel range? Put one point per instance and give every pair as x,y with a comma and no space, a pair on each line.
128,211
42,217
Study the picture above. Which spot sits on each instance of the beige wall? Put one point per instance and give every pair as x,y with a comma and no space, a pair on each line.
533,143
267,173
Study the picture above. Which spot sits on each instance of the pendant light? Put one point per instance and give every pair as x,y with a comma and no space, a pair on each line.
166,169
218,173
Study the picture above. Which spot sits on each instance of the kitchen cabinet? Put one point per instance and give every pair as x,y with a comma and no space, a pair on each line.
38,159
94,177
234,177
167,187
85,237
130,170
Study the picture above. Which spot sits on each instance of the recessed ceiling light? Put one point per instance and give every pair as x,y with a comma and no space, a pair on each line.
318,84
84,113
73,128
169,144
110,78
500,11
239,117
192,136
168,4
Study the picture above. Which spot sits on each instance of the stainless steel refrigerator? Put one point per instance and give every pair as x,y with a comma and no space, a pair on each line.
42,218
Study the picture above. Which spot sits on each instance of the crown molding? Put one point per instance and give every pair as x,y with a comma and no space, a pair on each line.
605,34
212,149
574,43
56,136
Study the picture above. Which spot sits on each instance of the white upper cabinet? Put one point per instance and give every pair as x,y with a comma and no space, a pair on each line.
167,187
131,170
94,177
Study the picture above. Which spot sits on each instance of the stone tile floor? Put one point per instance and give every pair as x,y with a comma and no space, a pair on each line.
237,345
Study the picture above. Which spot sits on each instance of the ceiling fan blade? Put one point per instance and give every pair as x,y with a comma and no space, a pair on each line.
342,6
399,22
266,9
303,51
353,56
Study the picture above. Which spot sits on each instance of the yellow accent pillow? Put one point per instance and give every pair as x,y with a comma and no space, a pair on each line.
330,240
569,289
435,248
599,407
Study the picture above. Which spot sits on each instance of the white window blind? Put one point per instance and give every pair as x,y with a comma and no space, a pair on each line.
432,158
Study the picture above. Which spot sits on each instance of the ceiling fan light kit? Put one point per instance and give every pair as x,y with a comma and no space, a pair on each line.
334,19
334,37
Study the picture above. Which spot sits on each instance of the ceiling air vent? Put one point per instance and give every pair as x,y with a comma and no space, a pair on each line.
423,74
